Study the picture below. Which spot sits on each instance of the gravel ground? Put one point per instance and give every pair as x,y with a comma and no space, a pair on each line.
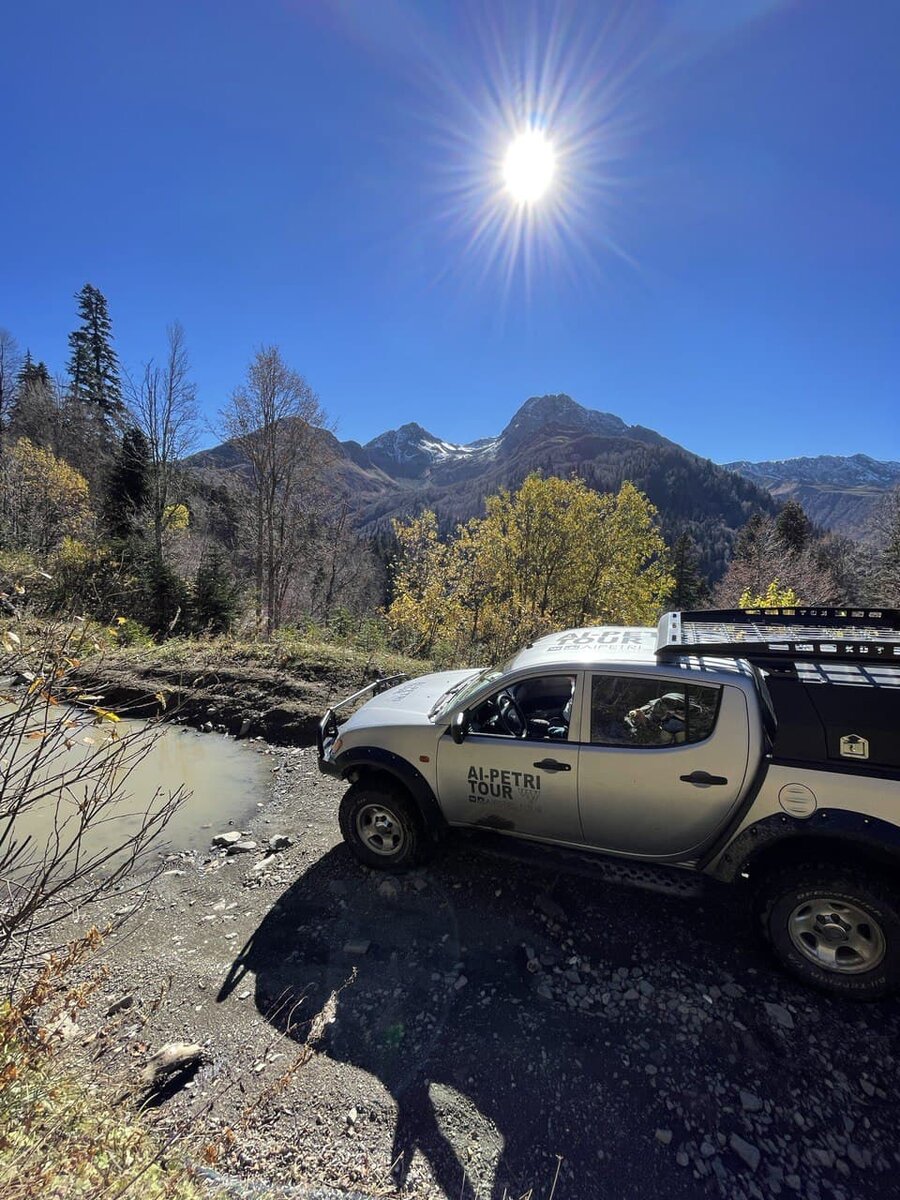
499,1024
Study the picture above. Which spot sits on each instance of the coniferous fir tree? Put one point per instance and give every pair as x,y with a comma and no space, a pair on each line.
691,588
794,527
216,595
127,486
93,366
32,373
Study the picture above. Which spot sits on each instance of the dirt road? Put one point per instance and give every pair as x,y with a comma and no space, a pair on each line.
507,1021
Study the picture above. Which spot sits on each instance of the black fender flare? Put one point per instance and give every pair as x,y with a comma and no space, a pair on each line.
832,830
362,758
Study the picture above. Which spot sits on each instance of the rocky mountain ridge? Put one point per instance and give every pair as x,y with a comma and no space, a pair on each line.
407,469
839,492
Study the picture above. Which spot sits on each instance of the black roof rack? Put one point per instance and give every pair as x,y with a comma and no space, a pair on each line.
783,634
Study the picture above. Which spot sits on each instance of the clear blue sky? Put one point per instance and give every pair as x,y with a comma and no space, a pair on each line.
719,260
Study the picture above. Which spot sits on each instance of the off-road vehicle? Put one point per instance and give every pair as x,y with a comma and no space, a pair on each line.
760,748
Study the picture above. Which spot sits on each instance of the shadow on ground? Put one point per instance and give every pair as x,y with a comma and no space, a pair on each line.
578,1018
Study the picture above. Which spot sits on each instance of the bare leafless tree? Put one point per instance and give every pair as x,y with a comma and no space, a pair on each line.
163,404
276,421
884,562
343,574
10,362
762,557
69,831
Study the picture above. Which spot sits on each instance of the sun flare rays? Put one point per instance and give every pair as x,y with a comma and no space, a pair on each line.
528,157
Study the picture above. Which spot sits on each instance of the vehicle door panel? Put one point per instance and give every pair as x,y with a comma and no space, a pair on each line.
636,801
524,785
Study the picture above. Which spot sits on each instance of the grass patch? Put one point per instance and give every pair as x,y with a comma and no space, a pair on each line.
288,651
60,1135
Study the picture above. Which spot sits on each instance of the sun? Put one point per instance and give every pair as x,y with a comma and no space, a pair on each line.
529,166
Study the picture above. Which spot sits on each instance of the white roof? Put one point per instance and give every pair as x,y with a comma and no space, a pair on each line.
597,643
615,645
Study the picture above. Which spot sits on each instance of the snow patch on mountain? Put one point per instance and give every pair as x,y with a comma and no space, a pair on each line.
825,470
411,444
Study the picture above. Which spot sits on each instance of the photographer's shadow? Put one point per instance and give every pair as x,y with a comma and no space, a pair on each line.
441,997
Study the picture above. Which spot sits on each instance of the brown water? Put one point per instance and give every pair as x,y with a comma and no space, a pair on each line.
226,780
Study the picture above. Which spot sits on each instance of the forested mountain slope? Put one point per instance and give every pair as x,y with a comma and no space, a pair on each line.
404,470
838,492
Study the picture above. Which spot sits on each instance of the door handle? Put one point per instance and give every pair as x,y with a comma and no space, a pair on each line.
703,779
550,764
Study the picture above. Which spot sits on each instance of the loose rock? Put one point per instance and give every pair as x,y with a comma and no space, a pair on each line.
172,1057
226,839
747,1152
779,1015
120,1005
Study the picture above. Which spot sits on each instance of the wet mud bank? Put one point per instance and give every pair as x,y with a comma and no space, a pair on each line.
242,700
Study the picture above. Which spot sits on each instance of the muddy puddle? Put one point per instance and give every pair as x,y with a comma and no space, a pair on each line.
226,781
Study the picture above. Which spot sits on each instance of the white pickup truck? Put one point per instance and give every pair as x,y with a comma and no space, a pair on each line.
760,748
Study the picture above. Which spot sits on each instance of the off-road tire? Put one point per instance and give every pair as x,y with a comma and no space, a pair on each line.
363,799
780,893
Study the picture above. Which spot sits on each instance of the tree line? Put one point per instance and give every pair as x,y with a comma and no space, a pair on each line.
100,502
105,506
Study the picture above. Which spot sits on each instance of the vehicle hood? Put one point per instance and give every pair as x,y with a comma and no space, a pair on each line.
408,703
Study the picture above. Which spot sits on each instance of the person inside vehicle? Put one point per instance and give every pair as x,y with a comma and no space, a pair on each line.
665,718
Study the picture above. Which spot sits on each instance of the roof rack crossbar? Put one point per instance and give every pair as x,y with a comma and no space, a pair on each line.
783,634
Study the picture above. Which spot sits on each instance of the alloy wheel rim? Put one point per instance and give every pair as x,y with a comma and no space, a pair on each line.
380,830
837,935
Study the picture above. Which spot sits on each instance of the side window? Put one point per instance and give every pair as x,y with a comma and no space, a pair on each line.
650,712
537,709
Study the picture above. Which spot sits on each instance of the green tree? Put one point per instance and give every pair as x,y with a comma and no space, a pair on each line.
691,588
32,373
93,366
793,527
127,486
216,599
162,599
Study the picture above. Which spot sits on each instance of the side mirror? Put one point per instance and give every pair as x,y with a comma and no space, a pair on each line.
459,727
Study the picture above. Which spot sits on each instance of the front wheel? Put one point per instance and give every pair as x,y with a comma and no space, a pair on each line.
835,928
382,828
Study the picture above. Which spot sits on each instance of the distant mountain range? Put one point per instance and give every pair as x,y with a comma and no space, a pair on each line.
404,470
837,492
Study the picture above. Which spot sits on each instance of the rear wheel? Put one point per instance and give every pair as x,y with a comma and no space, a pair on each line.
383,828
833,927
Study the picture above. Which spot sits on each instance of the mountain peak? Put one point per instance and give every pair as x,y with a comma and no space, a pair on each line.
563,413
409,434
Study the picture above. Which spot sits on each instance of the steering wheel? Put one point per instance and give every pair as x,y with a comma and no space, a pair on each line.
511,717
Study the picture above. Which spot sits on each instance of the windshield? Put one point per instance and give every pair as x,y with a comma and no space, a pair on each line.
459,694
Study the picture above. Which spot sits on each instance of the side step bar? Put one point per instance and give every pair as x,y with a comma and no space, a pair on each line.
678,880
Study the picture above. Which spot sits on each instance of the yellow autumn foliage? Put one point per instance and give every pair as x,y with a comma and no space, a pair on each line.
775,596
42,498
552,555
176,518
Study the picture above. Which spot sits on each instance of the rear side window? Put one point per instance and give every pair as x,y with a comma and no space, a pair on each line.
628,711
